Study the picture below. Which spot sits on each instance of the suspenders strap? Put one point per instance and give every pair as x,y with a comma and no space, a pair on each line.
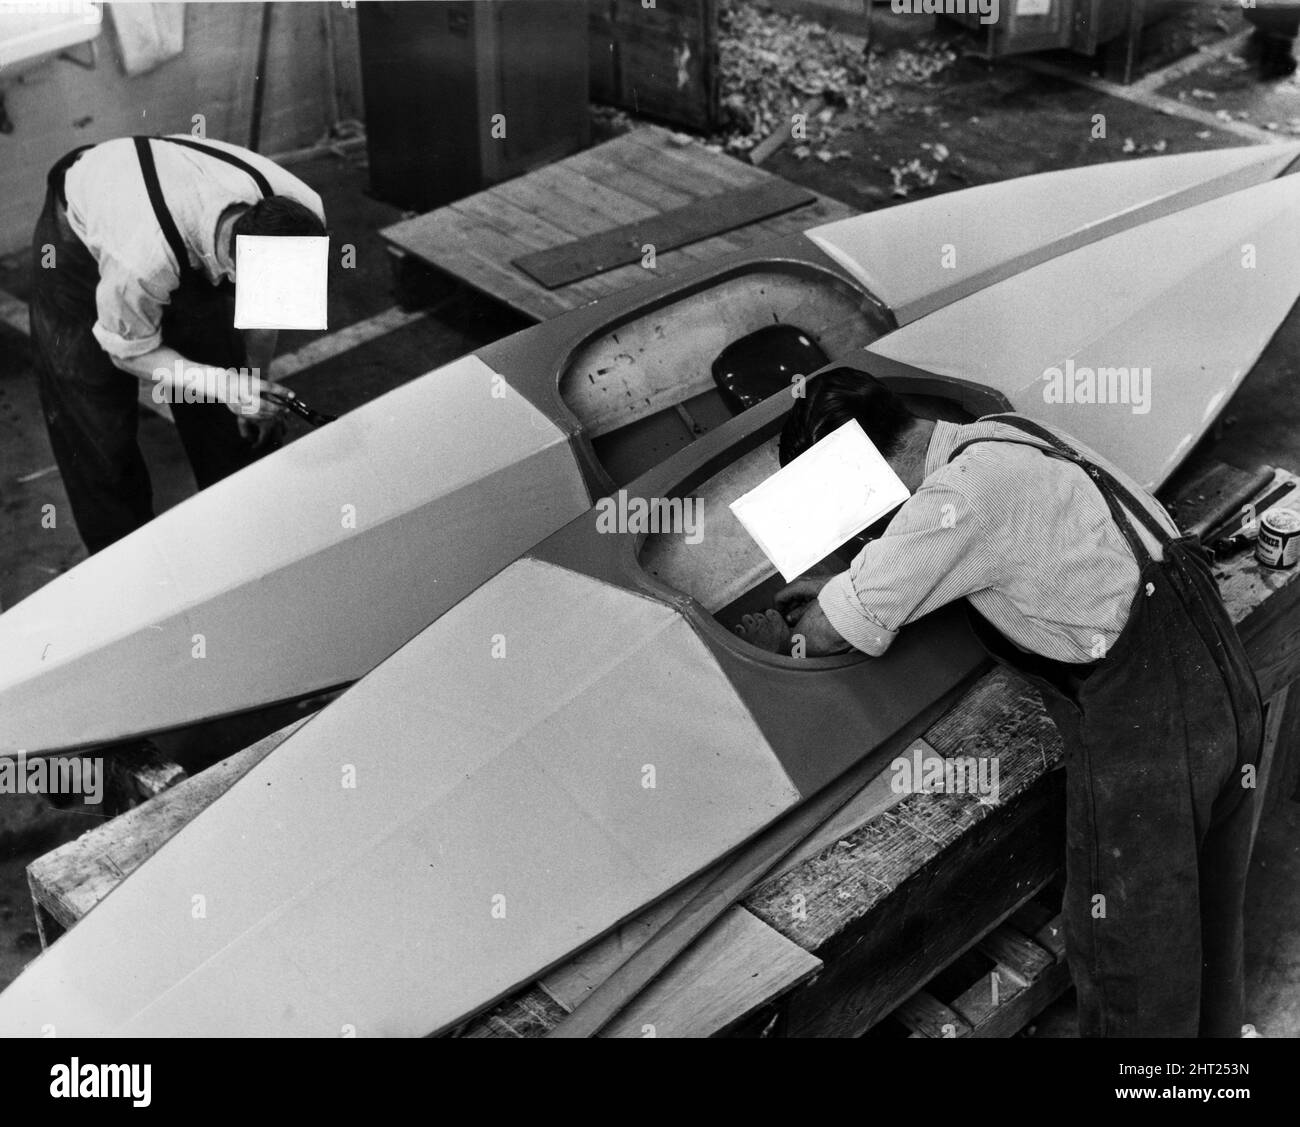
161,212
144,150
263,185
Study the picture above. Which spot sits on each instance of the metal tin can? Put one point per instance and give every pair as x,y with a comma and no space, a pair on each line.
1279,538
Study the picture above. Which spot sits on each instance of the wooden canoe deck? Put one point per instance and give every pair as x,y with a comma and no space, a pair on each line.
639,176
854,929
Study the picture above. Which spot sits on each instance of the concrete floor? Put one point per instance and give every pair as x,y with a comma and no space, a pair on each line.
996,122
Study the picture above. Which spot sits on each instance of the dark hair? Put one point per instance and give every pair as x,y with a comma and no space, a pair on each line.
837,396
276,215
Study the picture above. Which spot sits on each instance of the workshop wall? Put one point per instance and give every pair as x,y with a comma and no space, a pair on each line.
57,105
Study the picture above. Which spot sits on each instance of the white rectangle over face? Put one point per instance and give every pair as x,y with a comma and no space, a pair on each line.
829,493
281,281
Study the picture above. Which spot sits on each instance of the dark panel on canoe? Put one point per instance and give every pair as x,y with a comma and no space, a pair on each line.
594,254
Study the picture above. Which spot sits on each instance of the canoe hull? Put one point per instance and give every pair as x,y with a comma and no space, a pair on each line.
258,591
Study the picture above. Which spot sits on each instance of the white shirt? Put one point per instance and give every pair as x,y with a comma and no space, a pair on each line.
110,212
1027,538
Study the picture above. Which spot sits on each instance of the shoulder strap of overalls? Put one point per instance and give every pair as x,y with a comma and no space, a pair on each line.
160,209
1119,498
153,186
263,184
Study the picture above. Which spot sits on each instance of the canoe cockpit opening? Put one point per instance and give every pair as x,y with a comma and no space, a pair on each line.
707,554
654,384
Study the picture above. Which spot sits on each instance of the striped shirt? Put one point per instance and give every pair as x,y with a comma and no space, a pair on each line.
110,212
1026,537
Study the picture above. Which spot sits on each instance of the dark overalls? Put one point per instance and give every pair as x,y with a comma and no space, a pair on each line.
91,407
1158,813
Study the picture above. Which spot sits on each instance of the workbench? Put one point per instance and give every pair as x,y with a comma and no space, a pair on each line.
934,917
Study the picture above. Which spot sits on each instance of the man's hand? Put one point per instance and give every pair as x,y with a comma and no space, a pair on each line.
794,597
261,432
261,421
820,638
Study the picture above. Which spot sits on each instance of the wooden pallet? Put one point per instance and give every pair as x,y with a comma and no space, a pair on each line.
853,926
997,988
639,176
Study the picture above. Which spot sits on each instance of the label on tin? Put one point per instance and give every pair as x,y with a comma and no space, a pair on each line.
1279,538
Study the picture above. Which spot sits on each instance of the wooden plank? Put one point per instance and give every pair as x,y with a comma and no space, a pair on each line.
688,158
1051,937
1189,64
1020,955
710,216
1031,916
599,164
572,982
491,242
737,967
873,959
530,1014
13,313
778,137
639,185
67,882
492,209
604,206
926,1016
1016,1005
873,800
981,1001
445,244
1000,715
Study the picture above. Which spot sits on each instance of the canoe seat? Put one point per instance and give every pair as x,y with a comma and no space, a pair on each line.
760,364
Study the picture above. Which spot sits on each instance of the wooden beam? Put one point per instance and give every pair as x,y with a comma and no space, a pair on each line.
67,882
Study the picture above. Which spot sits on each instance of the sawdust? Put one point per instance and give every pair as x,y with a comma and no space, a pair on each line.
772,66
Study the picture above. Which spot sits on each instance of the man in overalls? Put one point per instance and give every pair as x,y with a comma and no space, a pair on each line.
1080,582
134,270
